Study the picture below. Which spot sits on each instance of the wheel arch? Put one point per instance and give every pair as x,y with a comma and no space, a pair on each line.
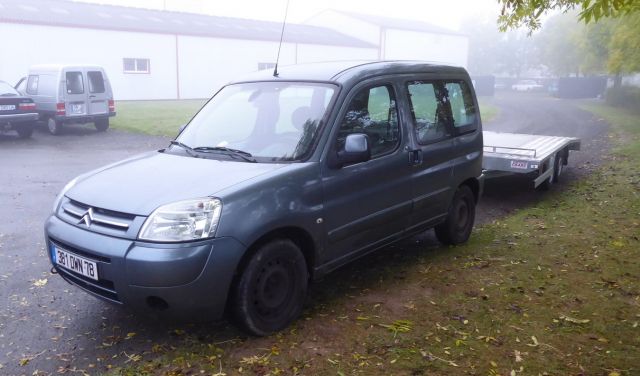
474,185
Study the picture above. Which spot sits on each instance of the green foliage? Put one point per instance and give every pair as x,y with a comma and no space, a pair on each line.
624,97
527,13
623,45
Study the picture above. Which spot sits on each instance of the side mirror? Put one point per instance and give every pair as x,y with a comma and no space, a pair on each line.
356,149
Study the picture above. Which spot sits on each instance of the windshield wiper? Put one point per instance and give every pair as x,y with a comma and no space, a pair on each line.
232,152
187,148
8,95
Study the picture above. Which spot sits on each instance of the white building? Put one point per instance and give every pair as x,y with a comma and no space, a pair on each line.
399,39
153,54
150,54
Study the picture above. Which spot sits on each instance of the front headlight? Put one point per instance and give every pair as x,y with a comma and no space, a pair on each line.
183,221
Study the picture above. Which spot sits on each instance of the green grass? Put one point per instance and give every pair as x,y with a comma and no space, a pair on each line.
488,111
551,290
159,118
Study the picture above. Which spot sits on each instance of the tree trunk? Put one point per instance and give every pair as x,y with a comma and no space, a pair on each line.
617,81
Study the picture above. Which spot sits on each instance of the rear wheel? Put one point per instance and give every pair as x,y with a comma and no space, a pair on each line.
558,165
102,124
54,126
25,130
271,290
456,229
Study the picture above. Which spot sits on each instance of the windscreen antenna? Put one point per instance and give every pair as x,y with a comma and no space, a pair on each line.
284,23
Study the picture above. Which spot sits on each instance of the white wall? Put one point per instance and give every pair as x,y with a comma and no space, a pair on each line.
413,45
36,44
208,63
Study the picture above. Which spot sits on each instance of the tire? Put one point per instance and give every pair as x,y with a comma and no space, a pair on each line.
456,229
270,292
54,126
102,124
558,166
25,130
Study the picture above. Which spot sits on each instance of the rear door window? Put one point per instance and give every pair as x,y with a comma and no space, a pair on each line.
75,83
462,107
96,82
32,85
430,111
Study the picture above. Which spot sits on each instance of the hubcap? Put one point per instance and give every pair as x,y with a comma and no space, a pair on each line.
273,288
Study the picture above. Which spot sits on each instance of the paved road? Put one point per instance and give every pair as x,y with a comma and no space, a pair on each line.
55,327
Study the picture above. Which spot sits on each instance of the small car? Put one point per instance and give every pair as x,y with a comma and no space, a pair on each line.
17,113
278,180
66,94
526,85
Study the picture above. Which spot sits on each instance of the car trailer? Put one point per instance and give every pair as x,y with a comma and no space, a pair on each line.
514,153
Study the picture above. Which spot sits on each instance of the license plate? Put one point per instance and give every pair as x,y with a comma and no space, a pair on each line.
76,108
75,263
519,164
7,107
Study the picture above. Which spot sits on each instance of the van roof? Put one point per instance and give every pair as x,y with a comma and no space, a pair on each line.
345,71
60,67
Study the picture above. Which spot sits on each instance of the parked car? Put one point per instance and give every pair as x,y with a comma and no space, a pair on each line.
17,113
526,85
70,94
277,181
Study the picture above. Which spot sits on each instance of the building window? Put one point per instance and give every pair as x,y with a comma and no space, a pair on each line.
131,65
263,66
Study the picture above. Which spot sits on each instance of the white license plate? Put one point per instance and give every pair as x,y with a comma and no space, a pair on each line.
7,107
75,263
76,109
519,164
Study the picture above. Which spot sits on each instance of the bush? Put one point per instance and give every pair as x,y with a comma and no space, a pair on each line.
626,97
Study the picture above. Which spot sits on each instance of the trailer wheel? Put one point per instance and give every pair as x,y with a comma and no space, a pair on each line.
456,229
558,165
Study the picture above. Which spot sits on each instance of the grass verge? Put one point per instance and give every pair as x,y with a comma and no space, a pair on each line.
157,118
488,112
551,290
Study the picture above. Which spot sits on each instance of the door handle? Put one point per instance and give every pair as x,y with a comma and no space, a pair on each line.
92,96
415,157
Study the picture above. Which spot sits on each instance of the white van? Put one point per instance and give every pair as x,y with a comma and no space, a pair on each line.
66,94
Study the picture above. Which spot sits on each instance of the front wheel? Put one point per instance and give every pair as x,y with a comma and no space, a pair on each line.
54,126
270,292
456,229
102,124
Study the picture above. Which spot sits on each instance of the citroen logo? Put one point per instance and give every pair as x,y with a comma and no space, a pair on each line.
87,218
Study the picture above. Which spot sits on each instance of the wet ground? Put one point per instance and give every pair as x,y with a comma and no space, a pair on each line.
52,327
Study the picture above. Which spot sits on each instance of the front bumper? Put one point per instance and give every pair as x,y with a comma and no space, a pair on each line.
189,281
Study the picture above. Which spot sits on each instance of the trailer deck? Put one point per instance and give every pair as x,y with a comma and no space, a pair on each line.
509,153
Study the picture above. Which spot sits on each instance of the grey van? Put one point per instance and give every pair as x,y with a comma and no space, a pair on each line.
276,181
66,94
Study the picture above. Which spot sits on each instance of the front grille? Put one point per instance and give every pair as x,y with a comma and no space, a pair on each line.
97,219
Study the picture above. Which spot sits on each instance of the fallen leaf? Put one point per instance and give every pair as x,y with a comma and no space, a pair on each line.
40,282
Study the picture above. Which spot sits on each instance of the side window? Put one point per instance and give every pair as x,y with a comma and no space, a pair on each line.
373,112
75,83
429,109
462,108
96,82
32,85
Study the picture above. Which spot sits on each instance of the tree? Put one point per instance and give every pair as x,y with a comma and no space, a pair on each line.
527,13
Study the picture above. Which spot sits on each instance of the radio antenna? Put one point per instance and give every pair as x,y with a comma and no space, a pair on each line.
284,22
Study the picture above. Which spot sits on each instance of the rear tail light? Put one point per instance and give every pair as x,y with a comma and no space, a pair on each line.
27,106
112,105
60,109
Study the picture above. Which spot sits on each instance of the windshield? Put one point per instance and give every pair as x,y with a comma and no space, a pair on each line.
271,121
7,90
